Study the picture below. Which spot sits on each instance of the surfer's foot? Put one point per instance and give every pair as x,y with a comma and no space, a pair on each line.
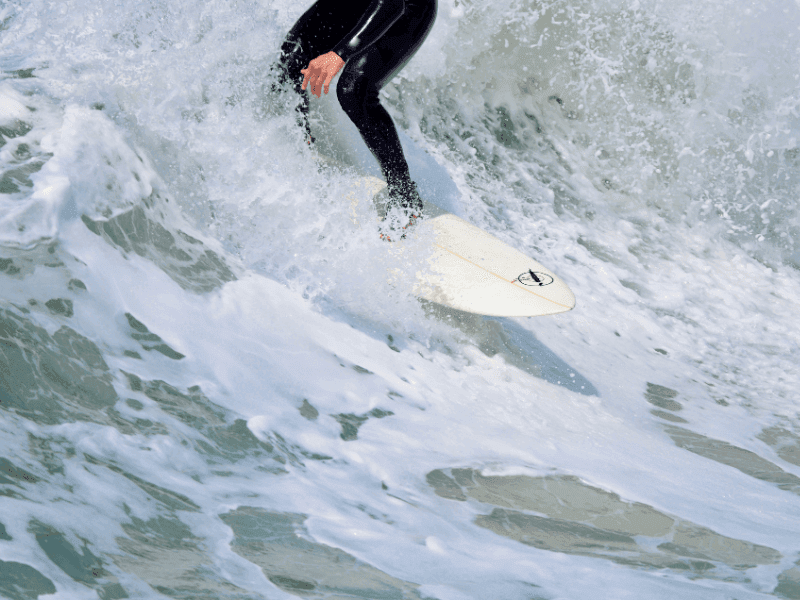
403,210
396,224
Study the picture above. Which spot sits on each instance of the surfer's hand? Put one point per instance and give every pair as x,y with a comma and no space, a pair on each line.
320,71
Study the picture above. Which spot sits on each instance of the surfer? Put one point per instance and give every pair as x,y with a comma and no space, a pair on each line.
372,40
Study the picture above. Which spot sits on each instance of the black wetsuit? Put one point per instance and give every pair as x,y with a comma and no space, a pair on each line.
375,38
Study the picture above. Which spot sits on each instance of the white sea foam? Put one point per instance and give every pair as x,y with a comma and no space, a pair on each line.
209,387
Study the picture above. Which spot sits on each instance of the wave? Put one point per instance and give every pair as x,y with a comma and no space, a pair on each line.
210,387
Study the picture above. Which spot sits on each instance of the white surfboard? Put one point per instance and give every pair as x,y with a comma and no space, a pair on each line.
471,270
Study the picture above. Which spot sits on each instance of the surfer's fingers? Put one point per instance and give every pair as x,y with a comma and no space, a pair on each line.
309,75
318,83
328,79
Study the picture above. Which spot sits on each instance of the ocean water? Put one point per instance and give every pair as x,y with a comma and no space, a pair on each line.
209,388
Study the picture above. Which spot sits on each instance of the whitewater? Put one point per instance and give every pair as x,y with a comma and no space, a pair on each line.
215,382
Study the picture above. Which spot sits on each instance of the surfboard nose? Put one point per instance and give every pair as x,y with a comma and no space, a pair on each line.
471,270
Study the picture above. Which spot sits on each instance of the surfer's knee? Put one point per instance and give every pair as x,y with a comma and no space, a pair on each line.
355,93
347,91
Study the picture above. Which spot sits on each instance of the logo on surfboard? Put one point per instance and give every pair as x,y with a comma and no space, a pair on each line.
535,278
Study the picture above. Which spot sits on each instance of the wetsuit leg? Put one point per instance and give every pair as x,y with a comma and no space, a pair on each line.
325,25
363,77
320,28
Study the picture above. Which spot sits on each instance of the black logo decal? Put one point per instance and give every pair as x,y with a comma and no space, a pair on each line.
535,278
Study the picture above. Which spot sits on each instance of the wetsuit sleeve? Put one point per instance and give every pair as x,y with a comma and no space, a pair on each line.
379,16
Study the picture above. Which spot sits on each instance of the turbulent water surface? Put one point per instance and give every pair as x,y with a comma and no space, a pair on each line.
209,387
